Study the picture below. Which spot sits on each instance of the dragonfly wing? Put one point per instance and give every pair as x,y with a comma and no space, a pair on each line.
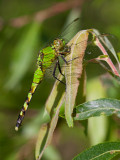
71,29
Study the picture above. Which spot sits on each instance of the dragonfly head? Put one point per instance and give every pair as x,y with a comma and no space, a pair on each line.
59,44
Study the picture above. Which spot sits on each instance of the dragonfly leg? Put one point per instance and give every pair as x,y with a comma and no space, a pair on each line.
59,67
63,59
56,64
72,59
69,60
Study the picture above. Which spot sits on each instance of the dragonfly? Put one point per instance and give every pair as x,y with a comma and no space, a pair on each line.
45,59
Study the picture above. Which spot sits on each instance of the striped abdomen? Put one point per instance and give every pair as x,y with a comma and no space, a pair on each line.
45,59
38,76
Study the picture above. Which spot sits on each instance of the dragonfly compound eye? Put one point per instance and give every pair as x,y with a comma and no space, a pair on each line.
58,43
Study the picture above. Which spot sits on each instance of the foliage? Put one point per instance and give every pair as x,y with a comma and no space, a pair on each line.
25,28
101,151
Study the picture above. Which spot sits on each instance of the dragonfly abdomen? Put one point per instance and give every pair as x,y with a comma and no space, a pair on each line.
38,77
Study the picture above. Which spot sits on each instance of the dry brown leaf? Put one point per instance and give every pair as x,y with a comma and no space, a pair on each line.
73,71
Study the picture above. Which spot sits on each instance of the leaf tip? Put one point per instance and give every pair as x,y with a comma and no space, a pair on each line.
69,121
112,152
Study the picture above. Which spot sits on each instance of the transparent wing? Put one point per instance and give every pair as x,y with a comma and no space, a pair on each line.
70,30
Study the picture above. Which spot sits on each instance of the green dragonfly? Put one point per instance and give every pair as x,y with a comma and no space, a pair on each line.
45,59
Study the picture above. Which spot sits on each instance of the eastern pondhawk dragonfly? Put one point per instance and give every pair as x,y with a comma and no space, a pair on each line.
45,59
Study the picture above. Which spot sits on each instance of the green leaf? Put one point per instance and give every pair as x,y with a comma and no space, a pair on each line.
41,135
103,56
53,95
23,54
98,107
52,127
103,151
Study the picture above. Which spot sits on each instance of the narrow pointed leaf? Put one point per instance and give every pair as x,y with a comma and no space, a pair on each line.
73,72
51,99
53,124
41,135
23,54
103,151
98,107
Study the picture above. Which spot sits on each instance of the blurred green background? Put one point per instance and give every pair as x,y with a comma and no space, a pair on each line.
25,27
